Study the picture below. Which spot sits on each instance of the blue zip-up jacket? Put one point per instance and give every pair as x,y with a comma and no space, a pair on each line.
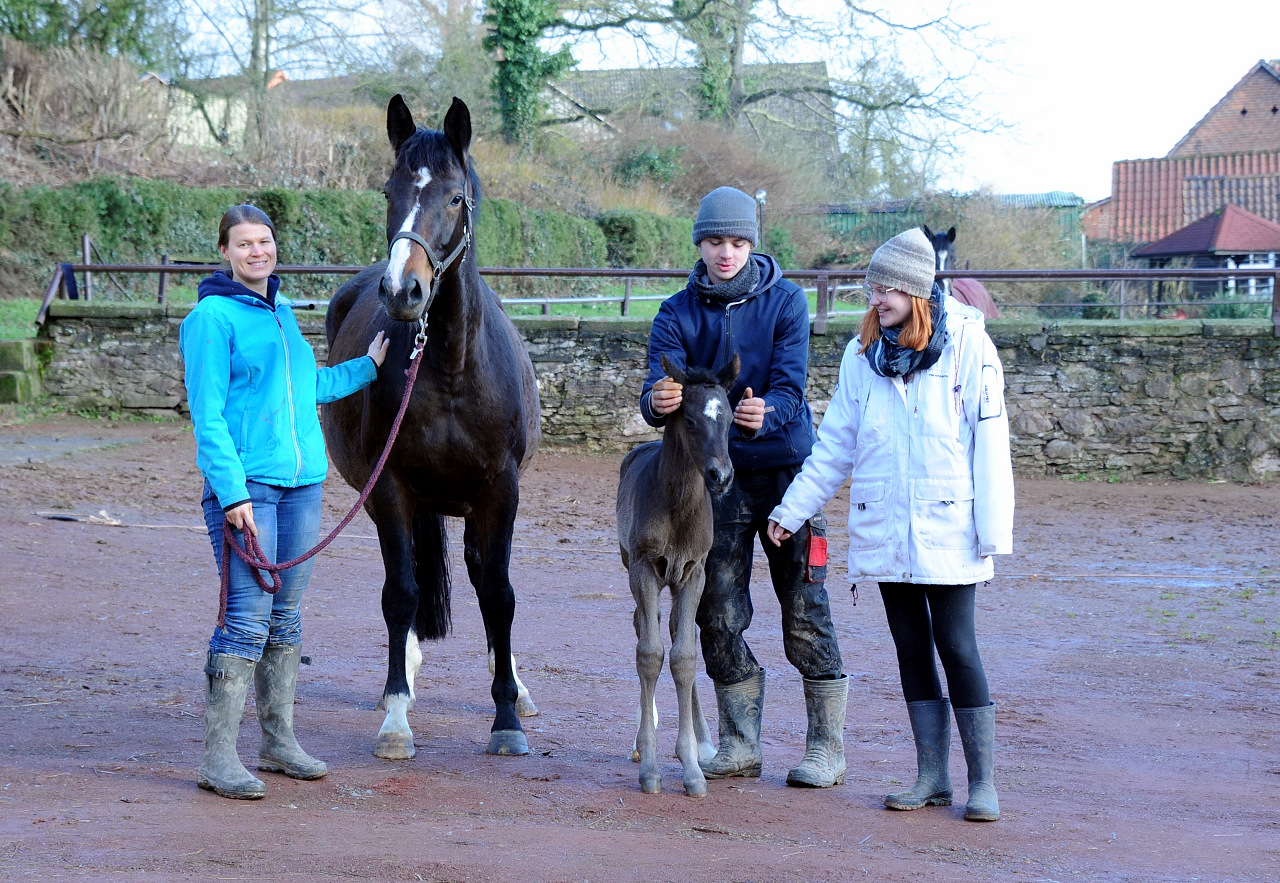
253,387
769,329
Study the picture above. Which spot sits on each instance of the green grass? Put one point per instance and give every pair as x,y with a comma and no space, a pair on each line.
17,318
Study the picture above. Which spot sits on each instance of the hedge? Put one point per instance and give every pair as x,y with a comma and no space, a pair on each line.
136,220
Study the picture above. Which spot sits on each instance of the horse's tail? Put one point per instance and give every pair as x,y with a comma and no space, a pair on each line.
431,570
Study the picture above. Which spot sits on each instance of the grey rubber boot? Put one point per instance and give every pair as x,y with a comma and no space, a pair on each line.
823,765
276,679
931,725
740,706
977,728
227,686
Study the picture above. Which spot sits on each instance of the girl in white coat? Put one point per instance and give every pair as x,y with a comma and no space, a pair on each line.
918,421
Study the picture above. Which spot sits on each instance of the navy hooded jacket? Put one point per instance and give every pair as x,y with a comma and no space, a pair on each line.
769,329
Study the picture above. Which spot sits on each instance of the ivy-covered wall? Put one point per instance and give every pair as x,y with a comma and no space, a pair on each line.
136,220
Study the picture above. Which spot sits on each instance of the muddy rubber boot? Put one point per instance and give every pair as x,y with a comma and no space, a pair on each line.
977,728
931,726
227,687
275,680
823,764
739,706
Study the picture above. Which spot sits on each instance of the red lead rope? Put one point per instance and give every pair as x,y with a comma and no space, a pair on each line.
252,554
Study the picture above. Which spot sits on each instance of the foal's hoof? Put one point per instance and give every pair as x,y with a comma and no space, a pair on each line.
525,707
651,784
395,746
696,787
508,742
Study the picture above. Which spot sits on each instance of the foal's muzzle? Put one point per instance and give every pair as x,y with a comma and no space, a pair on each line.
718,477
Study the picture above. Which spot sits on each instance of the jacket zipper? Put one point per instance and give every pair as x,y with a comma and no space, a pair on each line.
728,332
288,386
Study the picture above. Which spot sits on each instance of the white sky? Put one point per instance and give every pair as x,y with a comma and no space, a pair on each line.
1083,83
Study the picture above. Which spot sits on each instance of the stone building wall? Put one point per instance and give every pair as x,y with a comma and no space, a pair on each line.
1191,398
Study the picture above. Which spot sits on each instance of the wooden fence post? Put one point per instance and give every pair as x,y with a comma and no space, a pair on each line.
1275,306
85,246
626,297
824,306
164,281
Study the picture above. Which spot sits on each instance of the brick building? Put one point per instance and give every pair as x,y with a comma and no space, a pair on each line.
1230,157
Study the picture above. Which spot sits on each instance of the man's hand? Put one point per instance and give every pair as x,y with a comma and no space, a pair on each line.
750,412
778,533
377,352
241,518
665,396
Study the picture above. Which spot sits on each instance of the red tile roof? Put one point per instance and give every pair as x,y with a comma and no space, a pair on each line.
1247,117
1229,230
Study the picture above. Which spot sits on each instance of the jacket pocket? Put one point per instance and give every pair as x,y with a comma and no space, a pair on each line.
942,514
868,516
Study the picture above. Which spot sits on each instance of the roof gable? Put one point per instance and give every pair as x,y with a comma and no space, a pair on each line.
1229,230
1246,118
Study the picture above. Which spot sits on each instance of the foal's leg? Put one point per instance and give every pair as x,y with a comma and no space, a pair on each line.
471,553
645,588
494,523
393,516
635,746
684,669
706,745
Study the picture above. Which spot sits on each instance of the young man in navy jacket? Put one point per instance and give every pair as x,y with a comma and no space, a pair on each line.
738,302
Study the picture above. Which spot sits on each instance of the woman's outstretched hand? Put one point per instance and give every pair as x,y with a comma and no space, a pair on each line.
378,349
778,533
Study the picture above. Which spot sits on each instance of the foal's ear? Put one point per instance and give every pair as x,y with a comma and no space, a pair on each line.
951,235
457,128
924,228
728,375
672,371
400,125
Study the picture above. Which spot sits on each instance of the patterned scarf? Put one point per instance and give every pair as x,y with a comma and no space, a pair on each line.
890,359
726,292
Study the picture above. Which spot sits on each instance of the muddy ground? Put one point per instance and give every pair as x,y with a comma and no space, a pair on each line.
1131,644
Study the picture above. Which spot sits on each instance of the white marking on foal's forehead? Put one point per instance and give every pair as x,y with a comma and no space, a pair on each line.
424,178
712,410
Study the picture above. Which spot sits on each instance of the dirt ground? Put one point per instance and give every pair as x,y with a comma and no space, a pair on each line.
1131,644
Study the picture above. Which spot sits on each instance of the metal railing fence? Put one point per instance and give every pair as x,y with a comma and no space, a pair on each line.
825,284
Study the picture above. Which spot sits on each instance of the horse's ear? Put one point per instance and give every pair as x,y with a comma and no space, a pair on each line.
457,128
927,232
672,371
400,125
951,235
728,375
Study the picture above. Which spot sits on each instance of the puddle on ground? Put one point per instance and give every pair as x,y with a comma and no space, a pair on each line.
39,448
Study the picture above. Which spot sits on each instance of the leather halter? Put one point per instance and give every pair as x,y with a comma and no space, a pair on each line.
438,267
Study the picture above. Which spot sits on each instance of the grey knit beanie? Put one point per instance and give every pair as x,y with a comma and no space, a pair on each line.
906,262
727,212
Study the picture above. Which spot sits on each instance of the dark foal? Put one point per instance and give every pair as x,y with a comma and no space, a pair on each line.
967,291
471,426
664,533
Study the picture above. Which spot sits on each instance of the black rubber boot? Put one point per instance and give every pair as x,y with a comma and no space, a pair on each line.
931,726
977,728
276,679
825,703
740,706
227,687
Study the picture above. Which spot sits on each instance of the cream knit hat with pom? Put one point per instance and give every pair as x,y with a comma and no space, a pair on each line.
906,262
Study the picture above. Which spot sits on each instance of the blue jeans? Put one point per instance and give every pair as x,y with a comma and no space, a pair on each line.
288,521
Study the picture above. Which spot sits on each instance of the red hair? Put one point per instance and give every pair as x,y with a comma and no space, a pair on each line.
915,335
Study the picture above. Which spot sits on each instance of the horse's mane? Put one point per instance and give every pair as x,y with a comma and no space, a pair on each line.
430,148
700,377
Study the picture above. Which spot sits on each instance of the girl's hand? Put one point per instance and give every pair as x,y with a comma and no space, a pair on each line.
665,396
750,412
241,518
778,533
377,352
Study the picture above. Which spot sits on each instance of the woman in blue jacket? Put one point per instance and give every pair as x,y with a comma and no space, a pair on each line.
738,302
253,386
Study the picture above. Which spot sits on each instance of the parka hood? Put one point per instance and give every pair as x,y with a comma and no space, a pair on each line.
220,284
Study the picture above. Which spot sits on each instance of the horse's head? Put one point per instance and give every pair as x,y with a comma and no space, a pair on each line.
707,416
944,248
431,199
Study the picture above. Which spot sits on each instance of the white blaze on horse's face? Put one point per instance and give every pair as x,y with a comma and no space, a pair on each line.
712,410
400,251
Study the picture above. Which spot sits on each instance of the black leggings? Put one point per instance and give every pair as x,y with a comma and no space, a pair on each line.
924,617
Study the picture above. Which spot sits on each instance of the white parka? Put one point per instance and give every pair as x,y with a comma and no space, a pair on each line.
931,495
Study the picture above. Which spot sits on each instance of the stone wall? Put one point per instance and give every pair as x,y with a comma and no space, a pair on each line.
1106,399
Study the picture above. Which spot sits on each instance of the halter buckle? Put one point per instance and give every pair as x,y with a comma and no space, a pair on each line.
420,339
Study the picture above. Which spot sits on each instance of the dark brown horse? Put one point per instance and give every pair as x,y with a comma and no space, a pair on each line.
664,534
471,426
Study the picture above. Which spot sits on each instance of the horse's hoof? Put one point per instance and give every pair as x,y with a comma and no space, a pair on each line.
696,789
525,707
508,742
651,784
394,746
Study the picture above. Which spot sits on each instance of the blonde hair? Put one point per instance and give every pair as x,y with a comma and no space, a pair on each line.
915,335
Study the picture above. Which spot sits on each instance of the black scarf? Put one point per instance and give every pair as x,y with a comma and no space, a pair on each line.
889,359
726,292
